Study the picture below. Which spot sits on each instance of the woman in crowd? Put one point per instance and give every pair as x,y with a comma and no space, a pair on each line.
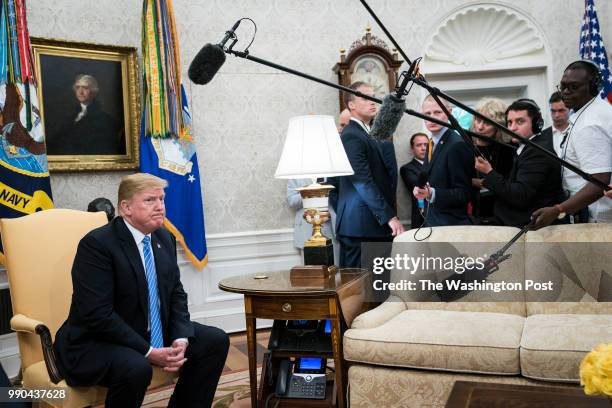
498,155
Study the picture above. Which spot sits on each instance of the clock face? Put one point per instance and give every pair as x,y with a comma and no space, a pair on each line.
371,70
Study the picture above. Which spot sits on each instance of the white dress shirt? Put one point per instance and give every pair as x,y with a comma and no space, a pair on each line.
557,136
362,124
82,113
589,147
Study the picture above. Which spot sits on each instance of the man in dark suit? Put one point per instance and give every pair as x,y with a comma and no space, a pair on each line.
365,210
129,310
410,173
388,151
534,180
449,164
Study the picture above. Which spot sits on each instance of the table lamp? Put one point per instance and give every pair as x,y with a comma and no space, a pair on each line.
313,149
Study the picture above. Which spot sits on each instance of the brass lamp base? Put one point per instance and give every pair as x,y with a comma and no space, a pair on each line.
318,250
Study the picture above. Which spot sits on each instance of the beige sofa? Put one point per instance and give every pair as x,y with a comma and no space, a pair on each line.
409,351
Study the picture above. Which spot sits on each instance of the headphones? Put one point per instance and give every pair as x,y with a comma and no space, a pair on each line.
537,122
596,84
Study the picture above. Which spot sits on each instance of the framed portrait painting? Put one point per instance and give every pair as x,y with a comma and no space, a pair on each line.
90,108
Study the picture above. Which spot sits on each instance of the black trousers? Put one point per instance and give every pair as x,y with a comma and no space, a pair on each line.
130,373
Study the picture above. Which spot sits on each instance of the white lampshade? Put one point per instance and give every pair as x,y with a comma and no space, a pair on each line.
313,149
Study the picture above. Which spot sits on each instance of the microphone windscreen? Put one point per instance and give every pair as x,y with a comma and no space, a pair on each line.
389,116
422,179
206,64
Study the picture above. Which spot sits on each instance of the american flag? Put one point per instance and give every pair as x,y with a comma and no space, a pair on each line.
592,47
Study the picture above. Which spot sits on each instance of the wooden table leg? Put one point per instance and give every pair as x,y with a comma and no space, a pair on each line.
252,349
337,350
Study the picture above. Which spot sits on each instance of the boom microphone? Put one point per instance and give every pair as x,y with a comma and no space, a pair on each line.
388,118
393,107
207,62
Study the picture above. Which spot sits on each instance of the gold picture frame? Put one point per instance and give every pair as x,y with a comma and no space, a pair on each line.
90,124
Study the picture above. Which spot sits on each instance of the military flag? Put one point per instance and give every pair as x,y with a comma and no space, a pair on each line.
167,148
24,175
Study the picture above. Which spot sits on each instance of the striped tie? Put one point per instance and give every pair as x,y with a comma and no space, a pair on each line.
157,339
430,148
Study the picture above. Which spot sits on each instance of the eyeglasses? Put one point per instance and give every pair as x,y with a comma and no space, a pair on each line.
571,88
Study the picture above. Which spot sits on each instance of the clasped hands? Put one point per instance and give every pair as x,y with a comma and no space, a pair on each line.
170,359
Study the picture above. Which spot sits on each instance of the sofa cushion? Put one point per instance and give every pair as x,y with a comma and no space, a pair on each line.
441,340
553,345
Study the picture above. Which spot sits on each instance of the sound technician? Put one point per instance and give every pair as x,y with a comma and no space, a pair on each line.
534,179
589,145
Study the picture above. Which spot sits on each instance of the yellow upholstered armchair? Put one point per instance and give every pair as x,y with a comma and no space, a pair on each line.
39,250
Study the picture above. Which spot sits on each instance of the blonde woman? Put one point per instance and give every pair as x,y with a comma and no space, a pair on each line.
499,156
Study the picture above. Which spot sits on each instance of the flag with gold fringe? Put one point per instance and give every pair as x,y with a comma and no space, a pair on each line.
167,149
24,176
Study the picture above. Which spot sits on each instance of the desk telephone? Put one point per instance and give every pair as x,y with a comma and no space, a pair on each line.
301,335
303,379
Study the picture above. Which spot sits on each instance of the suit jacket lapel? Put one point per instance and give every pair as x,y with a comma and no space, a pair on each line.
376,145
515,165
133,255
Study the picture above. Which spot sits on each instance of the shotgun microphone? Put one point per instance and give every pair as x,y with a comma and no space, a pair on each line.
393,106
211,57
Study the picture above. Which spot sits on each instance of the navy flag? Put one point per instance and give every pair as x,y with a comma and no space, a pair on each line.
24,176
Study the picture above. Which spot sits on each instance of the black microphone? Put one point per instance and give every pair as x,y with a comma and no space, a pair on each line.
231,34
393,107
421,183
207,62
422,179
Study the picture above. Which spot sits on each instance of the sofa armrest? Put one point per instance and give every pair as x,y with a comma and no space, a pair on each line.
22,323
380,314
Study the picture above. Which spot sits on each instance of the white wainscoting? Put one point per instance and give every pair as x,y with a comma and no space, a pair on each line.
228,255
232,255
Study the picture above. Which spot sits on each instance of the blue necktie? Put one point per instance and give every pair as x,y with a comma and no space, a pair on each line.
157,338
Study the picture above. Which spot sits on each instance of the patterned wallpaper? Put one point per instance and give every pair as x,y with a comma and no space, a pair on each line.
240,118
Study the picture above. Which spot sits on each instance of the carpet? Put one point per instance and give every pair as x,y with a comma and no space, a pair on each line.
233,391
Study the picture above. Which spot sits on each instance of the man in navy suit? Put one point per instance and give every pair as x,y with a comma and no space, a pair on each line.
129,309
449,163
410,173
366,201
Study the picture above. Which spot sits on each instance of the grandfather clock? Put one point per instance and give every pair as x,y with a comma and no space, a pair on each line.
369,60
